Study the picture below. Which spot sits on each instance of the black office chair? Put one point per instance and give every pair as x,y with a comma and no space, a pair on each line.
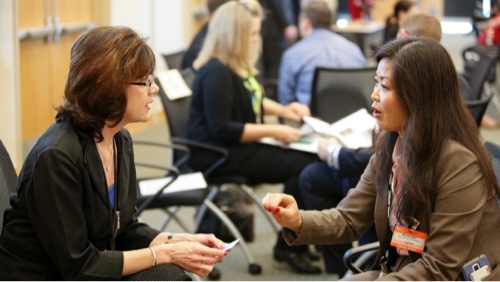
479,68
477,108
177,112
8,179
174,60
177,118
336,92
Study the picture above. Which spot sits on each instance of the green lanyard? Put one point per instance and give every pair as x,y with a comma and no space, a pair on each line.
253,86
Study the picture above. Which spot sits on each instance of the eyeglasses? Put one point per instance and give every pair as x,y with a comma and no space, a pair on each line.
149,82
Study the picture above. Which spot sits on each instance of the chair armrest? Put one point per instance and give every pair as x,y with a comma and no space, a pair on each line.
172,172
177,147
216,149
352,255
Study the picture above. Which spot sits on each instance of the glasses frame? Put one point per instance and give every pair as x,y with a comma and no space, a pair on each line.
149,82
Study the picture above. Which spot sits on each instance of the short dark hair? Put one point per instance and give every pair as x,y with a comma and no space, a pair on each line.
318,13
213,5
403,5
103,60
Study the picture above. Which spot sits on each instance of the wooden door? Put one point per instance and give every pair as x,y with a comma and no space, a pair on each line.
44,55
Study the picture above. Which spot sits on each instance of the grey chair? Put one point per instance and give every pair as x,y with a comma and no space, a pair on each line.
338,92
8,179
174,60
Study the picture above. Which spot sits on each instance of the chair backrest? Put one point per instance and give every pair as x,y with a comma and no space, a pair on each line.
477,108
479,68
174,60
177,111
8,179
338,92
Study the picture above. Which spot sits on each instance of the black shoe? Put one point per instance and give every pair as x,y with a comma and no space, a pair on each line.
312,255
299,262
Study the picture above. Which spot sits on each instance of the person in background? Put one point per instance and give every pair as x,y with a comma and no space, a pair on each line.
430,178
227,109
402,9
195,46
422,25
74,214
279,31
320,46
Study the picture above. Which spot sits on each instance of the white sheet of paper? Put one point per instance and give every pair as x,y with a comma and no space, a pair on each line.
306,144
173,84
353,131
185,182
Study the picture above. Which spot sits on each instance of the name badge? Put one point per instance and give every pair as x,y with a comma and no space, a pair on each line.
408,239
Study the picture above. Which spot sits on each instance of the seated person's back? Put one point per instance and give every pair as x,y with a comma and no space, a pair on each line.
319,47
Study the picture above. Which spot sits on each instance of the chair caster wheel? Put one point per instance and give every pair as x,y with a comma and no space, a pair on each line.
254,268
214,275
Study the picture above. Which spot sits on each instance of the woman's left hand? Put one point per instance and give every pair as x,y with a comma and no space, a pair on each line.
210,240
295,111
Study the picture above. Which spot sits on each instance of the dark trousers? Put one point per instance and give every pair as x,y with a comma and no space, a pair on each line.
323,187
272,50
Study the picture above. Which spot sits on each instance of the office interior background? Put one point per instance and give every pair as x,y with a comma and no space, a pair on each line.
36,37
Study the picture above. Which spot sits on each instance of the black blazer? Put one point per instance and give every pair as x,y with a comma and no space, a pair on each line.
62,225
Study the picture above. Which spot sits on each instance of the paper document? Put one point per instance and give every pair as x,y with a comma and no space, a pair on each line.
184,182
173,84
354,131
306,144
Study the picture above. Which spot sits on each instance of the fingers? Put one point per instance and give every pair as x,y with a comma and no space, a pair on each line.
271,202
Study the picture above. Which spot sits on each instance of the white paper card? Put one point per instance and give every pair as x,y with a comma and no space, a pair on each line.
306,144
185,182
354,131
173,84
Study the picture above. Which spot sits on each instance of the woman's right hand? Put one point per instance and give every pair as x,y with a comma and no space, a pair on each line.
286,134
284,209
191,256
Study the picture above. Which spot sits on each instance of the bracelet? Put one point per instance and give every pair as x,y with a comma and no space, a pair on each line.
154,255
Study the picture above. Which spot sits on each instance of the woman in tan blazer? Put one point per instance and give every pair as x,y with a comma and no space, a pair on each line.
429,188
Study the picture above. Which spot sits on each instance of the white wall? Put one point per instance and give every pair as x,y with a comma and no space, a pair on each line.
10,130
163,21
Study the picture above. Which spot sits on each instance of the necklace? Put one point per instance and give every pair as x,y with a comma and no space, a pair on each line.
108,166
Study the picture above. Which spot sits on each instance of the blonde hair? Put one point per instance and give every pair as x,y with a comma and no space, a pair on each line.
422,25
229,37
